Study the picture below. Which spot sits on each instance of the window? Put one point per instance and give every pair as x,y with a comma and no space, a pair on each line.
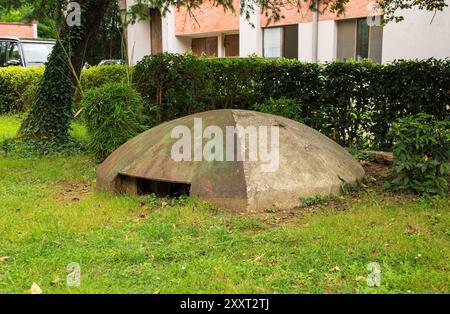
357,40
12,54
206,45
272,42
36,53
362,39
2,53
156,31
231,44
281,42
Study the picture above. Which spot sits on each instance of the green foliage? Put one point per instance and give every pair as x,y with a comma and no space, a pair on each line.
272,209
285,107
50,215
354,103
34,148
17,148
51,112
360,154
113,115
18,85
15,84
97,76
318,199
49,211
172,85
405,88
422,155
108,42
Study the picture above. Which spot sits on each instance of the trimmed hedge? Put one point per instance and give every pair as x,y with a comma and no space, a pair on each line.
354,103
96,76
18,85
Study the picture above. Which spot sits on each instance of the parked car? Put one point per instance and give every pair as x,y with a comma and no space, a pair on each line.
110,62
24,52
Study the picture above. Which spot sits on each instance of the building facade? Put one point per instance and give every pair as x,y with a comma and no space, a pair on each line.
23,30
301,34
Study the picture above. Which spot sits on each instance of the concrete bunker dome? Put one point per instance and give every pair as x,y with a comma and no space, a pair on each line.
309,164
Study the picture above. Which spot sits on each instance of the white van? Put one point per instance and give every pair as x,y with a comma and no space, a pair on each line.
24,52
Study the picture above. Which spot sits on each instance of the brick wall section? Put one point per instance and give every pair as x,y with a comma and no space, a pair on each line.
207,19
353,9
17,29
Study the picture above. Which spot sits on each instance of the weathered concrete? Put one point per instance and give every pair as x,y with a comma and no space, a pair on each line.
381,157
309,164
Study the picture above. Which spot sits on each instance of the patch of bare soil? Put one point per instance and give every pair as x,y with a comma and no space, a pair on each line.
281,217
73,191
377,174
377,171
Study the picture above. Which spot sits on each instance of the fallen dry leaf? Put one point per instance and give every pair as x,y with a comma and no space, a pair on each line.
311,271
4,258
35,289
55,281
335,269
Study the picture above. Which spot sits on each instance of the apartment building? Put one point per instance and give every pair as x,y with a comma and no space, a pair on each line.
301,34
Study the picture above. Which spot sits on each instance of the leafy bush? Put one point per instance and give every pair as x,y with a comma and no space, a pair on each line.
27,96
14,81
289,108
96,76
405,88
352,102
422,155
113,115
172,85
18,85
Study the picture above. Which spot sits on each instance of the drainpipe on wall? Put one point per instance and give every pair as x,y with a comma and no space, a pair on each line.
315,31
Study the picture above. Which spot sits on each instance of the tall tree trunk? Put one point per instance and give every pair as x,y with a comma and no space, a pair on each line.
51,112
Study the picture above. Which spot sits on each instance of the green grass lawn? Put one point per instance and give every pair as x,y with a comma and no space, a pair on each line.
50,216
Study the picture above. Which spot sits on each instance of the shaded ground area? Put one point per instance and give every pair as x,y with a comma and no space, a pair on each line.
74,190
149,245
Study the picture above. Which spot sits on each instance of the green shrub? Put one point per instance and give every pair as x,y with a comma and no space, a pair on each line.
405,88
14,81
113,115
354,103
18,85
422,155
172,85
96,76
289,108
27,96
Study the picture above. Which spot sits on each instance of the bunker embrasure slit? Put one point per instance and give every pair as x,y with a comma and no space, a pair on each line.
144,186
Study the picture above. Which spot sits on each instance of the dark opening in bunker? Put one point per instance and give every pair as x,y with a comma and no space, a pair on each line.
144,186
